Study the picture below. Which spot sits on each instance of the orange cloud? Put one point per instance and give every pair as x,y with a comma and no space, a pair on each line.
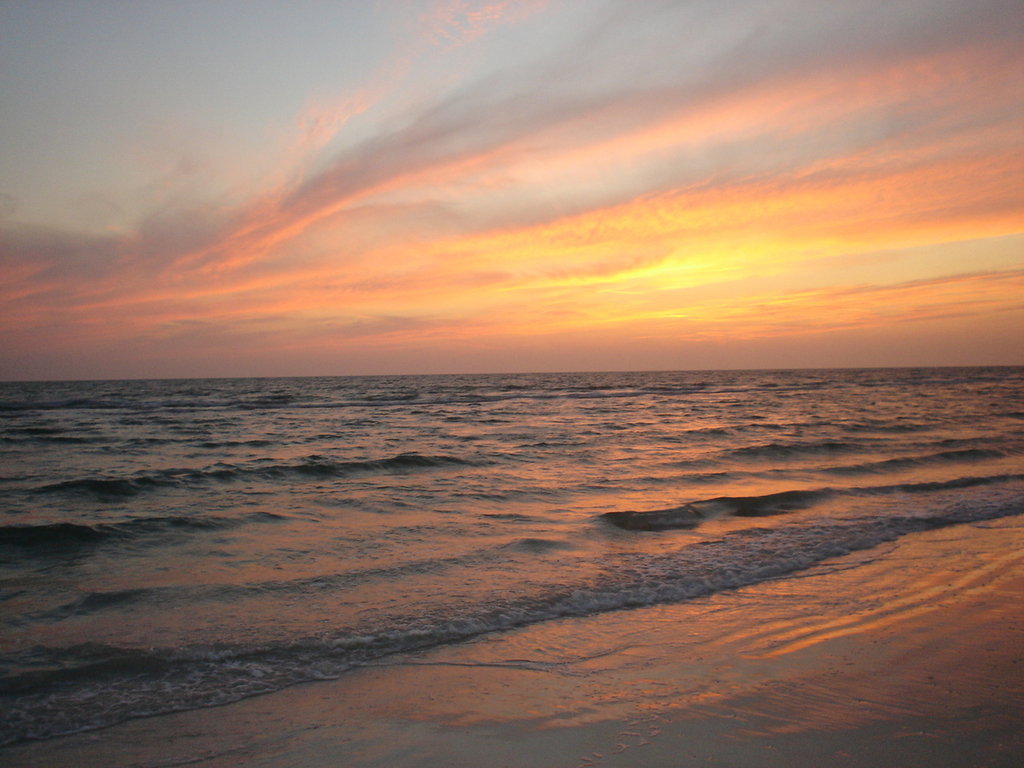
649,212
890,174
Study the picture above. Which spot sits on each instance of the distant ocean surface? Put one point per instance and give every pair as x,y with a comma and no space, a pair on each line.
170,545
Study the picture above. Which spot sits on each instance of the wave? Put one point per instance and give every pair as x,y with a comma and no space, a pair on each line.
255,443
78,664
709,477
285,401
258,402
387,397
879,425
49,536
53,534
383,392
188,595
108,488
911,462
118,488
95,602
691,514
772,451
27,437
538,546
79,688
684,516
941,485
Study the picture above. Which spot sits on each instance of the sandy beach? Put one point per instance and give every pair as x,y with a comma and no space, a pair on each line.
910,654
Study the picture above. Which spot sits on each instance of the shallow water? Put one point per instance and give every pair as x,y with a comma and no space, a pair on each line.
167,545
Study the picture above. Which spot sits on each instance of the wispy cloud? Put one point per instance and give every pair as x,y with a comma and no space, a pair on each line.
567,193
457,22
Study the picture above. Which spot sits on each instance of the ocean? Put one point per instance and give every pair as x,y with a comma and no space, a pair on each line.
178,544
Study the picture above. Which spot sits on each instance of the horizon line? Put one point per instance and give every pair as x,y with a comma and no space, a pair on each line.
521,373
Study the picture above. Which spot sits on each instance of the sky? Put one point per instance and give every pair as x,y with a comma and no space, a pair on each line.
269,188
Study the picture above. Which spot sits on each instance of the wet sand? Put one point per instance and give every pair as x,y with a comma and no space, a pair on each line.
911,654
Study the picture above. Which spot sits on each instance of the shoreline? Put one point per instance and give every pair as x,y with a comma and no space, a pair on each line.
909,654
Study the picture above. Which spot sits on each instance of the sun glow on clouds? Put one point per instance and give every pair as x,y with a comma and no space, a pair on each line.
466,209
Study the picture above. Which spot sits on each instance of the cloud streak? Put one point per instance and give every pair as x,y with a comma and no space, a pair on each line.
564,192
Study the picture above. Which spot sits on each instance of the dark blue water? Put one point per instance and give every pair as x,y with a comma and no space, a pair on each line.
167,545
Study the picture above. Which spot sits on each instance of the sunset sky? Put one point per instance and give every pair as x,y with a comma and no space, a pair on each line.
248,187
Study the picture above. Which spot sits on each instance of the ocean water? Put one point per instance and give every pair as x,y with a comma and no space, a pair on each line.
171,545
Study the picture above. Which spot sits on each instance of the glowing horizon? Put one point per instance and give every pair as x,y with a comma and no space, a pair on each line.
456,186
